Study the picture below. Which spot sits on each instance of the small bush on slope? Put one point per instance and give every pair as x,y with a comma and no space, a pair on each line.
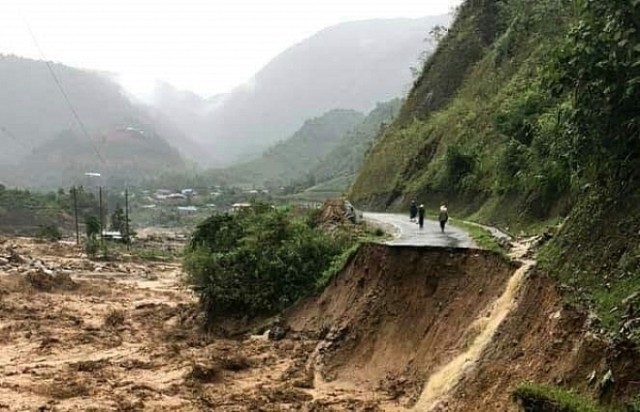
257,262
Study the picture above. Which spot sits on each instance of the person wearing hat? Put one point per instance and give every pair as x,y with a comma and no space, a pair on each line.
443,216
421,216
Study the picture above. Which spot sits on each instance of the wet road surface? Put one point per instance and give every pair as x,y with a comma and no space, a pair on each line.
408,233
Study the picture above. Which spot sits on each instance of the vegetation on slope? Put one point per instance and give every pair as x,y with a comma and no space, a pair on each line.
351,65
293,158
42,140
126,155
34,110
29,213
543,126
494,141
258,261
597,253
545,398
346,157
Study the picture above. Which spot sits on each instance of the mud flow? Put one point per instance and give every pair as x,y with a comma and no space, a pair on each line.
397,315
399,328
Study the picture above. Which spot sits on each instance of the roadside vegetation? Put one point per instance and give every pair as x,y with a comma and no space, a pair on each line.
481,236
537,125
549,398
262,259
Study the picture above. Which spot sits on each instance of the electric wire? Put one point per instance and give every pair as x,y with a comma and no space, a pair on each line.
14,138
65,96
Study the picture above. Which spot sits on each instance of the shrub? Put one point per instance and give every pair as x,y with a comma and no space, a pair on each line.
543,397
91,247
49,232
258,261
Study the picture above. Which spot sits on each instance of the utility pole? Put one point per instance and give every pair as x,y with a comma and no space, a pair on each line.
126,217
101,218
75,213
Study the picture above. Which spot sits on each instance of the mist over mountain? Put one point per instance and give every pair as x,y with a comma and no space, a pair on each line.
35,115
351,65
127,155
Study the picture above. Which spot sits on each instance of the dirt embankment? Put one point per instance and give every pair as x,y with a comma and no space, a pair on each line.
452,330
396,314
547,341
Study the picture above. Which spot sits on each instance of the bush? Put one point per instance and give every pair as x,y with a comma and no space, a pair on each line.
535,396
49,232
91,247
259,261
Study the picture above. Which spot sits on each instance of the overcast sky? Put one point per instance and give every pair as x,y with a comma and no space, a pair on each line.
207,46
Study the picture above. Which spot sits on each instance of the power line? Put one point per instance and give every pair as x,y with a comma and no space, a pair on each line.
13,137
64,94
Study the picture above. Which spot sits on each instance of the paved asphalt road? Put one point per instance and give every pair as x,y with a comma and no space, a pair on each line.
409,234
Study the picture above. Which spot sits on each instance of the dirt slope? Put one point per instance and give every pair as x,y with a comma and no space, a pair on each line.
453,330
396,314
546,341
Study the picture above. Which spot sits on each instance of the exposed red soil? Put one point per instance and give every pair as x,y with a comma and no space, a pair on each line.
396,315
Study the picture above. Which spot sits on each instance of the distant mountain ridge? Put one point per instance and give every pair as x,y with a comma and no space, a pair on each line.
127,155
34,115
351,65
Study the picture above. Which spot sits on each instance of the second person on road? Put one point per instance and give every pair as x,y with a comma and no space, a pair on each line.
421,216
443,217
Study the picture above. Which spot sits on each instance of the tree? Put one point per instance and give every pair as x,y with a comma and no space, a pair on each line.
118,220
92,225
436,34
599,65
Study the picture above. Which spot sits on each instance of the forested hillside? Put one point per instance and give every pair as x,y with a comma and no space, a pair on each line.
293,158
351,65
34,110
528,113
346,158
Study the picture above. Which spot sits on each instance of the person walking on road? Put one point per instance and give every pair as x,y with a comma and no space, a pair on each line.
421,216
413,211
443,217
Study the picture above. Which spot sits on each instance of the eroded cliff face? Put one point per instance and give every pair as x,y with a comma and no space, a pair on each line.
437,329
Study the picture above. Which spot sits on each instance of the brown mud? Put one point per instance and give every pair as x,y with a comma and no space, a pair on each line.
77,334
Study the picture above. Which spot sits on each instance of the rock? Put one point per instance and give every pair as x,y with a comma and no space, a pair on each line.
607,381
631,298
41,266
14,257
277,333
4,261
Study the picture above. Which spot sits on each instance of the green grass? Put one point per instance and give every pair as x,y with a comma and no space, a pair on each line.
370,235
482,237
336,266
556,399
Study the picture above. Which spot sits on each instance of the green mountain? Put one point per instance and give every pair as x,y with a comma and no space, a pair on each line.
527,113
341,164
351,65
293,158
